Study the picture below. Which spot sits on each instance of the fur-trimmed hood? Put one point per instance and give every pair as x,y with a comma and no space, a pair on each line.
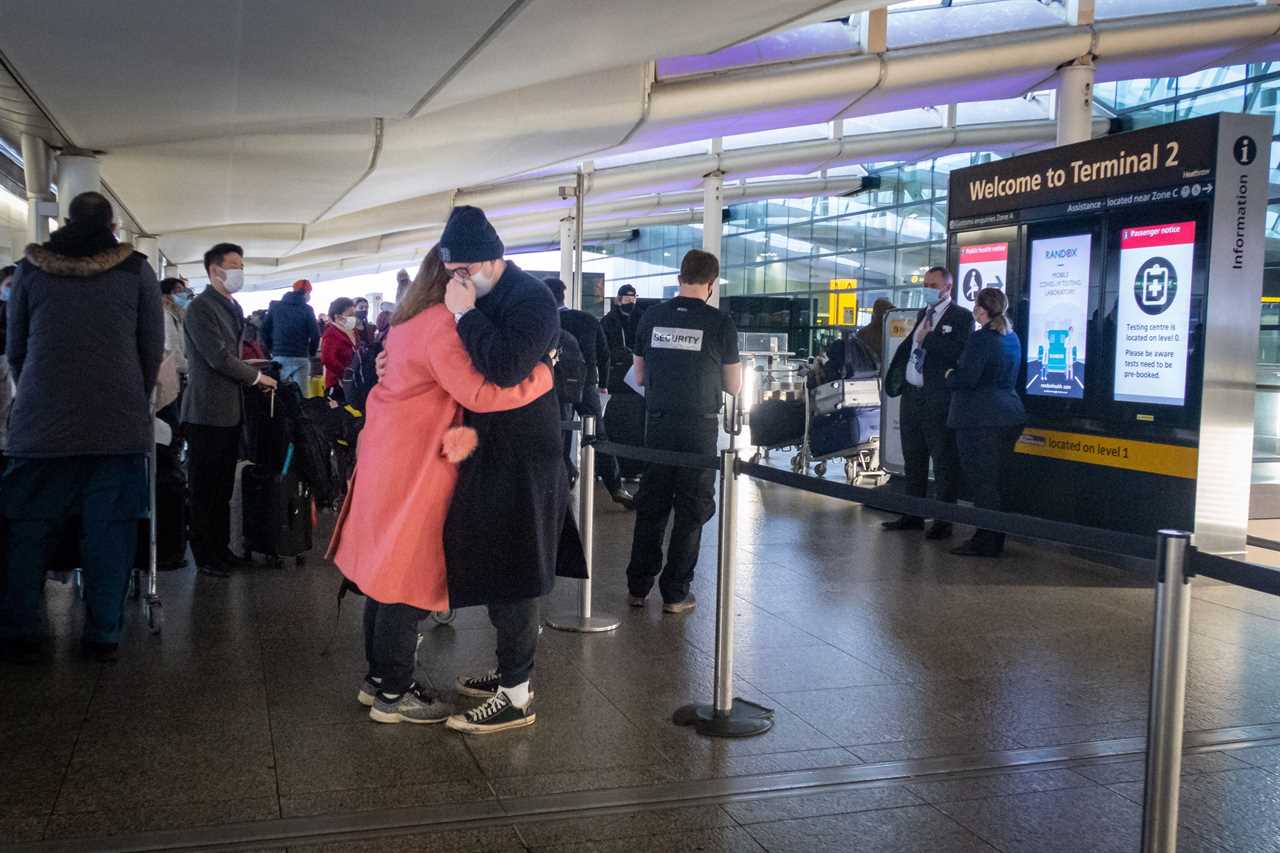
45,259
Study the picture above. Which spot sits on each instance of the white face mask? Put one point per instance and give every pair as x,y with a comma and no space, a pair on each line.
483,284
348,323
233,280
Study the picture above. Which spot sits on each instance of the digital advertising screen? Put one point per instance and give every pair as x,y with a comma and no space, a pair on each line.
1153,314
1058,315
985,265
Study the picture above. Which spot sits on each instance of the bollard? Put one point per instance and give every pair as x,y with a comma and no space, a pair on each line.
584,621
726,716
1168,694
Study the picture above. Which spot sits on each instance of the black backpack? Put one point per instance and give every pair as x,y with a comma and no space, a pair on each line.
571,370
363,375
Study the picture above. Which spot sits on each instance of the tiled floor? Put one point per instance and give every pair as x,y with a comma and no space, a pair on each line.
872,647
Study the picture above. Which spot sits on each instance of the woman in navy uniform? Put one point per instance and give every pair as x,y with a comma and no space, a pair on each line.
686,357
986,412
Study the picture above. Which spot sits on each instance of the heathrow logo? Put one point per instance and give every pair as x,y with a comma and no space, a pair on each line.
1155,285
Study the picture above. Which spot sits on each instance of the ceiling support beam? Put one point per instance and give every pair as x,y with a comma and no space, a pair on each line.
1075,101
713,222
78,172
873,30
40,203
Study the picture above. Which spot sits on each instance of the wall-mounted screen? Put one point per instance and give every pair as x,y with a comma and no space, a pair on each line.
1058,316
1154,313
985,265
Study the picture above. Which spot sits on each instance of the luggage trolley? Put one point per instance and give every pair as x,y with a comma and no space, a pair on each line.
847,414
775,386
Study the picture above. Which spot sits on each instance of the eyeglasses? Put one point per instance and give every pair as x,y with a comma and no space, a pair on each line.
461,273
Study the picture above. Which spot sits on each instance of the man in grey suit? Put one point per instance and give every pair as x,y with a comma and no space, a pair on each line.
213,407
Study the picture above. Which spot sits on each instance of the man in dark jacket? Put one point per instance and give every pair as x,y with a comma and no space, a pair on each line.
919,373
590,337
85,341
509,531
212,406
619,327
292,334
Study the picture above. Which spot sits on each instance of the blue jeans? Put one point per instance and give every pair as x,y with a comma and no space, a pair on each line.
294,369
99,500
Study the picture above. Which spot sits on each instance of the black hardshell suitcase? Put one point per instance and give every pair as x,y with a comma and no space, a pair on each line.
777,423
624,424
277,513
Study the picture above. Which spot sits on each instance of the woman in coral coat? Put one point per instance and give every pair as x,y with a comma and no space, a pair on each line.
389,536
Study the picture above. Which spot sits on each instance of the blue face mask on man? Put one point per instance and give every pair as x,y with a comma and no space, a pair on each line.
183,298
932,296
4,293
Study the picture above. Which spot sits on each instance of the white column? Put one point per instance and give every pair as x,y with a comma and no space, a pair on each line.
713,221
77,173
171,270
149,246
35,167
1075,102
566,250
873,30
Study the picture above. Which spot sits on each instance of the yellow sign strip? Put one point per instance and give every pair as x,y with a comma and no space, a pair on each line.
1169,460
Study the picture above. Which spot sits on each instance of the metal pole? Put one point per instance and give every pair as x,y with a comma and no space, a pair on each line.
583,622
578,225
713,222
1168,694
725,582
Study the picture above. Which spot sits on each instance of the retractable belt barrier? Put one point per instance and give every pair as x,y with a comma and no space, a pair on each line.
675,458
1235,572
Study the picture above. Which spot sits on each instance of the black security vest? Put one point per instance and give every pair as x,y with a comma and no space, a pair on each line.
683,355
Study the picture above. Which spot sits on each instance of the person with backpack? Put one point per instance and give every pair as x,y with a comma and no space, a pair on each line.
291,334
593,353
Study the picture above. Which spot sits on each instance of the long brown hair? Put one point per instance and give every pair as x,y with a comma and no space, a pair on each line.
426,290
996,304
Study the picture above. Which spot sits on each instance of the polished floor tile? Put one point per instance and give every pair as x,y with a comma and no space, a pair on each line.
910,829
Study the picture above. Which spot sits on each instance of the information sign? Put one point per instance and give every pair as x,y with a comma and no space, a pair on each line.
986,265
1058,316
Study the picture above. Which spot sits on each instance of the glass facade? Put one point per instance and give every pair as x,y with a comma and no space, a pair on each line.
815,265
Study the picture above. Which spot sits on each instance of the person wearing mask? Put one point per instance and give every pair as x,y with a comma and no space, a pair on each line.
6,392
407,459
619,327
686,358
292,334
918,372
338,344
78,438
175,297
872,334
509,531
212,407
986,412
587,332
364,329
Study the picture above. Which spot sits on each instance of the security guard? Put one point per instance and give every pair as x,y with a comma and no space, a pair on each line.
686,357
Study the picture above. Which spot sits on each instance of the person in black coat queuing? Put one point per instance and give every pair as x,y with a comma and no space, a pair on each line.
986,412
587,331
918,372
509,531
619,327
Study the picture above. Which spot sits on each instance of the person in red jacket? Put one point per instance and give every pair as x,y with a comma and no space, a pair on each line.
338,344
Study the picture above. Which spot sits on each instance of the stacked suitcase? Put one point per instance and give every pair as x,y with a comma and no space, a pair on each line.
276,500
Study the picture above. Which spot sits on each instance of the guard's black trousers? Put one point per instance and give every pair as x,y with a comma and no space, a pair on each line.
925,436
690,492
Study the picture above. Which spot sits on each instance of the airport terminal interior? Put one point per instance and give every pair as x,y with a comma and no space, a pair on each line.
831,155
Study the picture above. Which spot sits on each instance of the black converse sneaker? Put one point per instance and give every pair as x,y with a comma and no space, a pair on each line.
479,686
496,715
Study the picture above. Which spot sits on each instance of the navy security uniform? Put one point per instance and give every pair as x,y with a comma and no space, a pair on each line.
987,416
684,343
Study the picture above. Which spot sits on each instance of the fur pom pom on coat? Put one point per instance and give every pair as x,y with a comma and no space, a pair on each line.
458,443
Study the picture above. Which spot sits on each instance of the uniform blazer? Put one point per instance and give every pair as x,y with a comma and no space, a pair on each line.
216,375
942,349
985,383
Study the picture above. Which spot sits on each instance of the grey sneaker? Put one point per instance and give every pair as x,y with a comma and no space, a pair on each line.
415,705
479,686
368,692
496,715
680,606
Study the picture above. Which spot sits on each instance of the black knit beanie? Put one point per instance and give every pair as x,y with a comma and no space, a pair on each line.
468,238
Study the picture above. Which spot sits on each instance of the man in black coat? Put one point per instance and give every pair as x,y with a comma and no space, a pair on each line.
919,373
292,334
590,337
509,531
619,327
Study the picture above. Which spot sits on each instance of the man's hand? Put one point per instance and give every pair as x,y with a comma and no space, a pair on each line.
459,296
266,383
380,364
925,327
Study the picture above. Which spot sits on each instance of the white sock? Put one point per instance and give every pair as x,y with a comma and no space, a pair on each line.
519,695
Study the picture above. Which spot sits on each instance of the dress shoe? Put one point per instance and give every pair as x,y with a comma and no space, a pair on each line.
623,499
905,522
939,530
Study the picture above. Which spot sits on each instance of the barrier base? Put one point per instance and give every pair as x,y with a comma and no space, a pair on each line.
745,719
584,624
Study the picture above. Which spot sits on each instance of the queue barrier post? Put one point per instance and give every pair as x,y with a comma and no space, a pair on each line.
726,716
584,621
1168,693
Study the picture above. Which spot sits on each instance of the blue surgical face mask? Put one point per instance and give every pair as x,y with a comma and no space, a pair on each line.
183,299
4,293
932,296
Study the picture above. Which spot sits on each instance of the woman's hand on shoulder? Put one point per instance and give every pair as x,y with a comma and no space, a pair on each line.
380,364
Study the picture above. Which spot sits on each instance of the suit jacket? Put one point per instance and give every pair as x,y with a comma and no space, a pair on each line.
942,348
216,375
985,383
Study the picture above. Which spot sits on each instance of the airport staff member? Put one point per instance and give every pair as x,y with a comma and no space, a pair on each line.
919,373
686,357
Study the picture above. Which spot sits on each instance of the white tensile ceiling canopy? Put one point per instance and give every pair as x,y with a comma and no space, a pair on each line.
323,132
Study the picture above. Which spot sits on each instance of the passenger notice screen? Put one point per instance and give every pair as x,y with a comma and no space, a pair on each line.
1154,313
981,266
1058,316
